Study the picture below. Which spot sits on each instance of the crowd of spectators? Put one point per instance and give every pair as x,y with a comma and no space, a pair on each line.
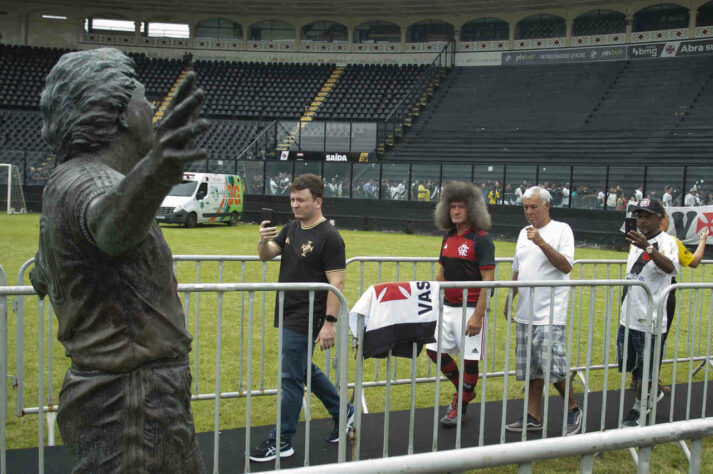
584,196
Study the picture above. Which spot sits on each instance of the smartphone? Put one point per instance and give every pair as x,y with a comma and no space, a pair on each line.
629,225
268,215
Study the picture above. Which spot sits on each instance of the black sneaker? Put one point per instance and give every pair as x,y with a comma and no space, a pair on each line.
267,451
574,421
334,435
632,418
531,425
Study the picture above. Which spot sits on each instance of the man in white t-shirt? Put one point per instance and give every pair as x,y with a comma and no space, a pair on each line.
653,259
601,197
692,199
667,198
565,195
611,199
544,251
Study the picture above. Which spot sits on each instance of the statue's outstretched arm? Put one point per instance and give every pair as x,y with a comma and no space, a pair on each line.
120,219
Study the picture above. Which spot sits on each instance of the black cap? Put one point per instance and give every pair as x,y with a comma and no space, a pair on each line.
651,205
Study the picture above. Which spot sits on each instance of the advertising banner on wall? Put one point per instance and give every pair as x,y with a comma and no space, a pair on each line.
336,157
669,49
570,55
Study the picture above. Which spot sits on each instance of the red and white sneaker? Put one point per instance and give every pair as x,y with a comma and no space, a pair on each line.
450,419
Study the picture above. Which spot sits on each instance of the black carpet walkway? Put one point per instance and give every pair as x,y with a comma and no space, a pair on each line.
232,442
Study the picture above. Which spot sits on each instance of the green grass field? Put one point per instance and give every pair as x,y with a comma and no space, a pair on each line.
595,311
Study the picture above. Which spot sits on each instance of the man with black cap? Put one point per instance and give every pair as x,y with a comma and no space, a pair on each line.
653,259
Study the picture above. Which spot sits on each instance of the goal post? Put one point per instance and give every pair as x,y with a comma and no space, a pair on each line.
12,197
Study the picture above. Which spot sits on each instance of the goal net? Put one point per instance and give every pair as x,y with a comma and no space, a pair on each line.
12,198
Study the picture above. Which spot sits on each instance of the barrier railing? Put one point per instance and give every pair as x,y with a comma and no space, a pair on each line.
583,269
692,349
594,269
523,454
506,354
588,326
246,391
502,268
3,372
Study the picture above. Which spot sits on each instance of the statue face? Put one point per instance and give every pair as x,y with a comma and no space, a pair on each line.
139,117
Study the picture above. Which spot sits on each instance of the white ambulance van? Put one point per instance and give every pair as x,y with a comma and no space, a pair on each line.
203,197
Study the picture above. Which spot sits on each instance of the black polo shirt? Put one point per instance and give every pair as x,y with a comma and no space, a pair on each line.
462,258
308,254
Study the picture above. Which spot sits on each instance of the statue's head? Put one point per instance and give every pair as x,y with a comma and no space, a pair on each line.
85,95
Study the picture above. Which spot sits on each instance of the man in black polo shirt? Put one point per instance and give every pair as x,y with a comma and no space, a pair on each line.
467,254
312,251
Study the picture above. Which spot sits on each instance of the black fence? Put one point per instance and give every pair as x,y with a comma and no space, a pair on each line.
578,186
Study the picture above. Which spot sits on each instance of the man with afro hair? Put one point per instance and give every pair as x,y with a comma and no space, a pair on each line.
467,254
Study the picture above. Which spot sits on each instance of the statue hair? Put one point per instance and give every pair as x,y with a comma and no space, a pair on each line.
85,94
478,215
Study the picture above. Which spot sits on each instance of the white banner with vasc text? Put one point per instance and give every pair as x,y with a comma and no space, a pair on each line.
686,223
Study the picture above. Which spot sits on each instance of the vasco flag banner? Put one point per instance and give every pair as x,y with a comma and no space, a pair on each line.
395,316
686,223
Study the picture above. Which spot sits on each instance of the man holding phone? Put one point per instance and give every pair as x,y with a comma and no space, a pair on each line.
653,259
312,251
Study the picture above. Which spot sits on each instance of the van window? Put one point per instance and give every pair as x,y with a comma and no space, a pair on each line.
202,191
183,189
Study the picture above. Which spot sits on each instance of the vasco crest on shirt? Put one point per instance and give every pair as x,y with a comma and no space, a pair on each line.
307,248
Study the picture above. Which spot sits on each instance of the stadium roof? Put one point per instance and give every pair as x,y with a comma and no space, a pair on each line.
341,8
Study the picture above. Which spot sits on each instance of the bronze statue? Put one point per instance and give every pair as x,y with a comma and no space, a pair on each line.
102,259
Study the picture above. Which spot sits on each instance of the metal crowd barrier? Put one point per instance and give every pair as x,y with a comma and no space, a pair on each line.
247,391
599,269
587,446
586,325
190,307
502,269
3,372
583,269
610,320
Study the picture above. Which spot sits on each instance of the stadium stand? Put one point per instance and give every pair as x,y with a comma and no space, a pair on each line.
368,92
225,139
650,94
569,113
23,70
22,77
259,91
20,130
22,74
157,75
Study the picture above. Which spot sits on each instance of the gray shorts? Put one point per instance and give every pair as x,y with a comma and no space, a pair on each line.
559,366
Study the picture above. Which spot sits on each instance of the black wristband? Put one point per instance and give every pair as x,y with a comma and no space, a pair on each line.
330,319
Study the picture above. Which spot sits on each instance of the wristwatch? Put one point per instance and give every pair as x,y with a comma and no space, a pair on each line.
650,249
330,319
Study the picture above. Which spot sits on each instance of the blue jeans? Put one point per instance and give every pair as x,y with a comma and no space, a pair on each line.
294,379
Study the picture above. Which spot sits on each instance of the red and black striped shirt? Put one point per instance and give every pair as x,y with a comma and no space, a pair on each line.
462,258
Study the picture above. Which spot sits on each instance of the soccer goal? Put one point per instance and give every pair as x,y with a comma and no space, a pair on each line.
12,198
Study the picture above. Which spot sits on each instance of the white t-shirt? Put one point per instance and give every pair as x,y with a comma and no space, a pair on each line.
518,195
639,266
667,199
532,264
